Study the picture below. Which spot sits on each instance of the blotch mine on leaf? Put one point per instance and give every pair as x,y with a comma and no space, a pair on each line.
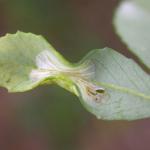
50,66
93,94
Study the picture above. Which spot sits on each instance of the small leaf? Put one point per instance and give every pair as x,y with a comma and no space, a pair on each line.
108,84
18,58
132,23
126,87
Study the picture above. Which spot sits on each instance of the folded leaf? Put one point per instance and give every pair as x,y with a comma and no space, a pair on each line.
108,84
132,23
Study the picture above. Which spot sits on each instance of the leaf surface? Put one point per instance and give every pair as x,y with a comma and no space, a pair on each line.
127,86
109,85
132,23
17,58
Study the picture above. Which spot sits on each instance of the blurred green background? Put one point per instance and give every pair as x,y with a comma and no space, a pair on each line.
49,118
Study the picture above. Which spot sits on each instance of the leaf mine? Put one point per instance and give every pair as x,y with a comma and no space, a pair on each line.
49,66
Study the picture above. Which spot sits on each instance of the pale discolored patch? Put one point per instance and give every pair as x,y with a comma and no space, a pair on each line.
50,66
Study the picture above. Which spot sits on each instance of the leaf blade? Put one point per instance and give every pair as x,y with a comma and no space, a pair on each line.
125,82
17,59
132,24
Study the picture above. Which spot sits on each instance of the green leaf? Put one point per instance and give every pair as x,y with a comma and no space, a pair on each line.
108,84
17,58
127,87
132,23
